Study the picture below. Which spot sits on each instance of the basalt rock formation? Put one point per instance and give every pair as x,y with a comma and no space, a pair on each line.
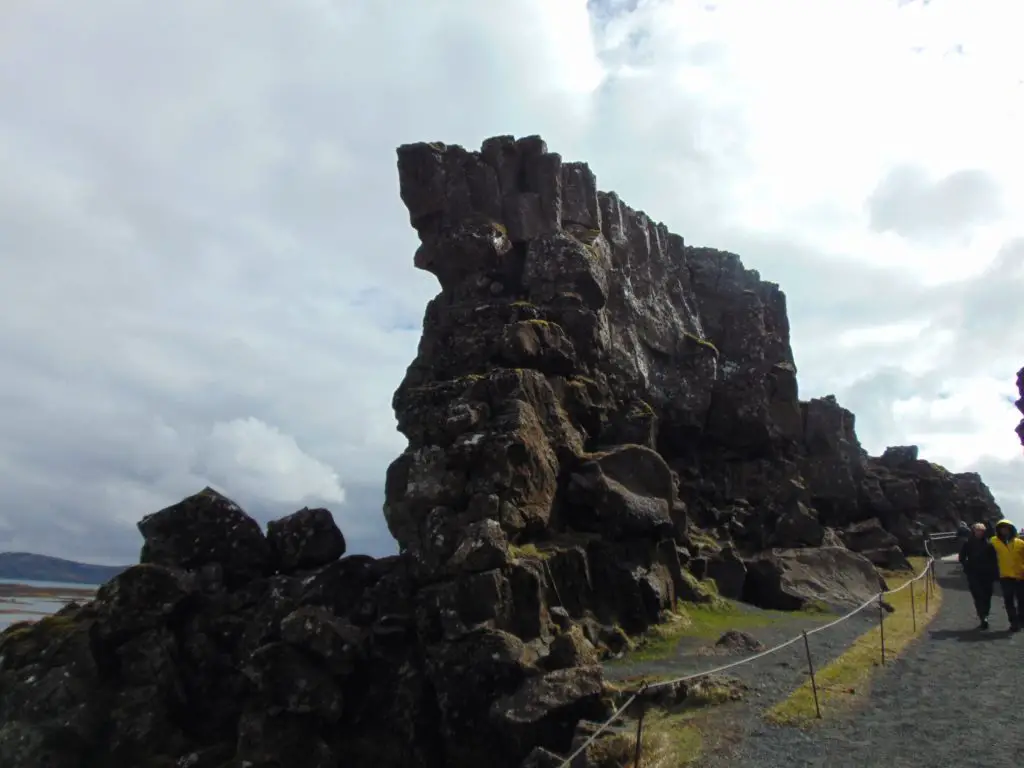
1020,404
585,374
599,417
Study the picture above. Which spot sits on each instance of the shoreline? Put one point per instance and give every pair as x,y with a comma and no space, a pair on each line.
27,590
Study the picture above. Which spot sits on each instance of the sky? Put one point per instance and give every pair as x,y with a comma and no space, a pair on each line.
206,271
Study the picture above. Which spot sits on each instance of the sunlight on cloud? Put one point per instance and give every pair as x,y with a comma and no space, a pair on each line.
259,459
828,112
974,419
882,335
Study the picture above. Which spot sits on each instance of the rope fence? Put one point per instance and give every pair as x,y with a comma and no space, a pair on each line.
927,574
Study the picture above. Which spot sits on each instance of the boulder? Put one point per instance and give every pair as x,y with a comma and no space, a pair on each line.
571,649
891,558
623,493
206,529
868,535
542,758
799,527
305,539
286,680
896,456
538,713
728,571
734,641
336,642
790,579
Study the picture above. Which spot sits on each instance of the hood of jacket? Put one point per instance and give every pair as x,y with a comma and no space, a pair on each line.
1004,521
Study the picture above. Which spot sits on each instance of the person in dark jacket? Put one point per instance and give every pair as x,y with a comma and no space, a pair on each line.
963,532
981,566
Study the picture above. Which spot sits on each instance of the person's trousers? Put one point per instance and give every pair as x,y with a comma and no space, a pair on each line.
1013,598
981,590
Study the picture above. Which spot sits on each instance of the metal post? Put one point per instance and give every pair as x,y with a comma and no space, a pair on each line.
913,608
927,592
881,624
639,737
814,683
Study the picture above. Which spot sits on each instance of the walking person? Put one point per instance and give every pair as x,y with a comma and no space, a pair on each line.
980,563
1010,557
963,531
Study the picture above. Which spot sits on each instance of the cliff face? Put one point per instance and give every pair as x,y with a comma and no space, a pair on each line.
598,416
638,387
1020,404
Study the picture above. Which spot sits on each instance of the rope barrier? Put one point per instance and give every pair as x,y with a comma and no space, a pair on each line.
601,729
645,687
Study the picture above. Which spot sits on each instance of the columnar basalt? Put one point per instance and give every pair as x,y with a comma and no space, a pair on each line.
1020,404
599,417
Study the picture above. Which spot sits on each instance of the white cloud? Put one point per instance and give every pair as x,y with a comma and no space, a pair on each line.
910,204
253,458
206,272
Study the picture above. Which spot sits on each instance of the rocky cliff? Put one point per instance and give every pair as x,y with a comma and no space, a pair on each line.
1020,404
584,372
599,417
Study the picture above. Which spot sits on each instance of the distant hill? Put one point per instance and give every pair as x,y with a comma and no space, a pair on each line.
25,565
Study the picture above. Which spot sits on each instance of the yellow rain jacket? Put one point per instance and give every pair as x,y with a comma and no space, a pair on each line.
1010,553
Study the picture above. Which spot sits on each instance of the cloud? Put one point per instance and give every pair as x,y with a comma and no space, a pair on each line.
205,268
914,206
267,463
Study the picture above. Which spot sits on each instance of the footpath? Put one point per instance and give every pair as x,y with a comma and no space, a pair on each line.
956,698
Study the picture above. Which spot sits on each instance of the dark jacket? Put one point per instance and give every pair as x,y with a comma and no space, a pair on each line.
978,557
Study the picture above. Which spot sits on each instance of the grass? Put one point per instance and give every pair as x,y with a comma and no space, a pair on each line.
530,551
703,622
670,740
701,342
674,735
704,540
848,679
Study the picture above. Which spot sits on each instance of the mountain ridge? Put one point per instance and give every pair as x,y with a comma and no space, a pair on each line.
29,566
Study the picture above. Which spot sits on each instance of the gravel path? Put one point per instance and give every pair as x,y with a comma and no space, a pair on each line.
954,698
769,678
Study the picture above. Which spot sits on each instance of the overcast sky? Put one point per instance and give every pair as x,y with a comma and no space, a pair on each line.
206,271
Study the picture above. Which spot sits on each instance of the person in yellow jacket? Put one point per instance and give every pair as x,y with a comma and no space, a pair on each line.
1010,556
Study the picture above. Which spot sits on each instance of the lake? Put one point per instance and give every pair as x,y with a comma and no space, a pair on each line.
31,600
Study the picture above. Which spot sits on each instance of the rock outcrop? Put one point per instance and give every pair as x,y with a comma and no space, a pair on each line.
1020,404
585,373
599,417
796,578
